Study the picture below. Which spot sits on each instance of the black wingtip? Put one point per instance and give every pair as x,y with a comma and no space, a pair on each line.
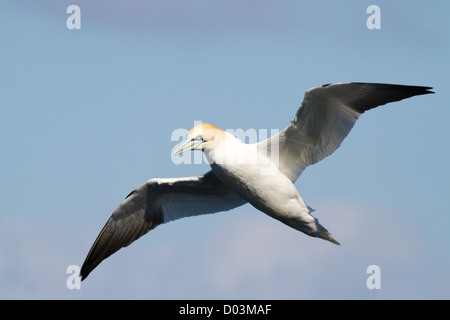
428,90
84,273
86,269
404,87
381,93
418,90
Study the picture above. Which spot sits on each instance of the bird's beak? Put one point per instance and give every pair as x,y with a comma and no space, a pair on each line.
188,144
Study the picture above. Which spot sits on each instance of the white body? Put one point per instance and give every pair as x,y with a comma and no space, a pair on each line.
257,179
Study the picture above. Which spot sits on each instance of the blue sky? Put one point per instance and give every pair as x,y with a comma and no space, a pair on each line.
87,116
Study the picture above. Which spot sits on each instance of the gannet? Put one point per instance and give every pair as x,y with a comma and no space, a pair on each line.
262,174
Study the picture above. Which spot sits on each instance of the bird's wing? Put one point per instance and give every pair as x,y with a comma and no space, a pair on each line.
155,202
324,119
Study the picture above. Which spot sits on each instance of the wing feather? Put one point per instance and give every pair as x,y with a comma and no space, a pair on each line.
325,118
155,202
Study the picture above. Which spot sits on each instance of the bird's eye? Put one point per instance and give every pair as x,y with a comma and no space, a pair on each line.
198,138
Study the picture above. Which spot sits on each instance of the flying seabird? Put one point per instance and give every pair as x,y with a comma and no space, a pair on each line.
262,174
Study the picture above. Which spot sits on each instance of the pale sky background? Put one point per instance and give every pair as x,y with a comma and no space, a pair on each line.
87,116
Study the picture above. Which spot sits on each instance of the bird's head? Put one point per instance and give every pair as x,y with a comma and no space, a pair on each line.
200,137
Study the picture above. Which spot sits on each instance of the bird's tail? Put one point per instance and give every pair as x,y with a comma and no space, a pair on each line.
324,234
327,236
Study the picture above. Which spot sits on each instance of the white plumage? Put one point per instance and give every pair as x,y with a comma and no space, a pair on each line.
262,174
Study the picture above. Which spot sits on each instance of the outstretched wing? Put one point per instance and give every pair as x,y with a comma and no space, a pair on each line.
155,202
324,119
